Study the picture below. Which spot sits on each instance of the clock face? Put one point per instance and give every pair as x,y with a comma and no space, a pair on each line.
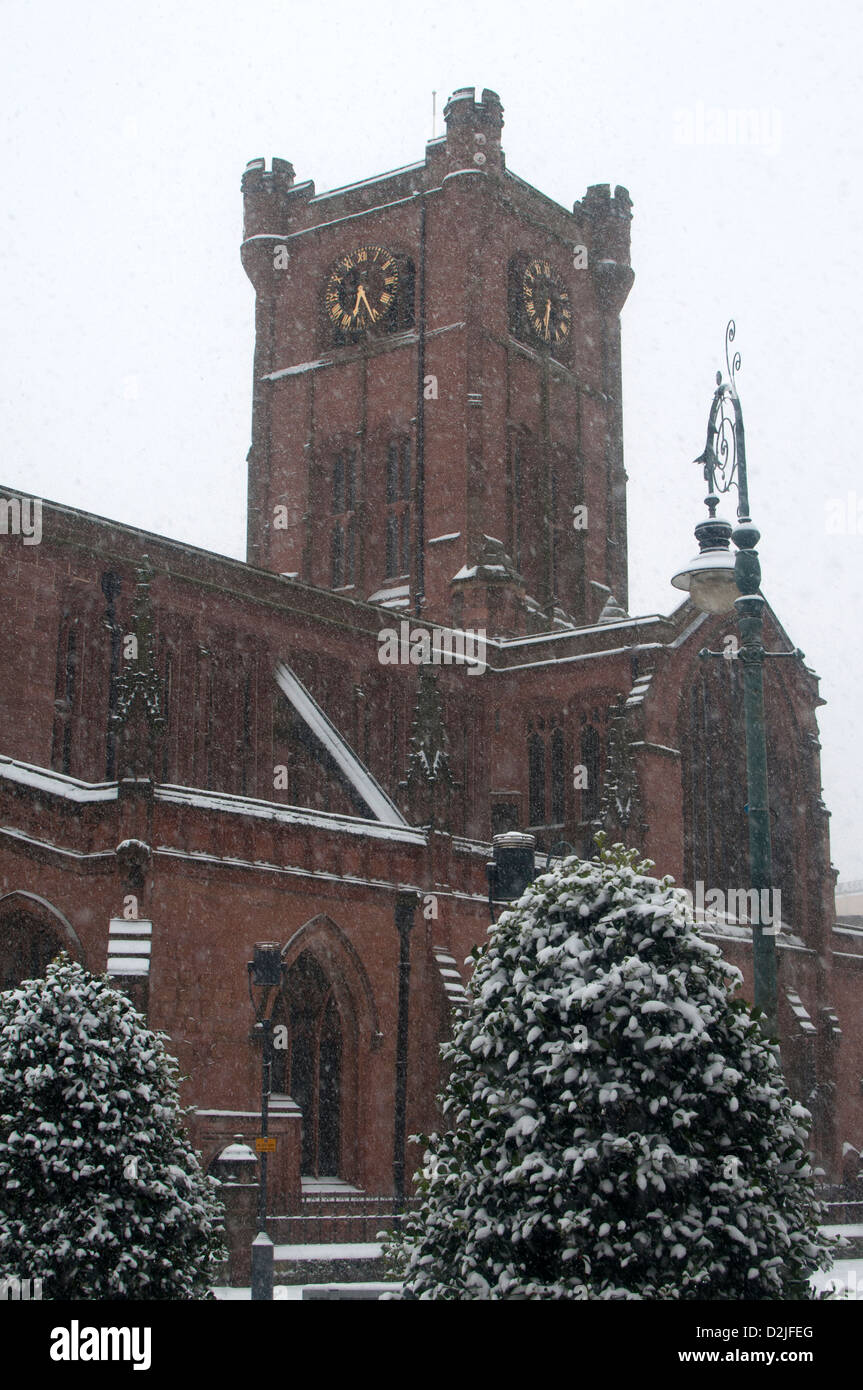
362,292
546,303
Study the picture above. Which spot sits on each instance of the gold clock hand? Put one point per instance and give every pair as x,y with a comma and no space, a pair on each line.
371,313
547,312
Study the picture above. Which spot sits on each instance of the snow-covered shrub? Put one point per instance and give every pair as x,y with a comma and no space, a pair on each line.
621,1128
102,1196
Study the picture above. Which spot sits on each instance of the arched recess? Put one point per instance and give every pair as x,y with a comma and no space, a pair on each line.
32,932
716,846
711,736
328,1008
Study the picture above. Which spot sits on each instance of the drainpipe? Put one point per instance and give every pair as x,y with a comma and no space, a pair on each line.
406,906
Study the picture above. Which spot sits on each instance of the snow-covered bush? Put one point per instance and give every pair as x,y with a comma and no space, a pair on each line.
621,1126
102,1196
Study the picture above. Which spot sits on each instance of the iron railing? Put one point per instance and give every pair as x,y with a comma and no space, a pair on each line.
330,1219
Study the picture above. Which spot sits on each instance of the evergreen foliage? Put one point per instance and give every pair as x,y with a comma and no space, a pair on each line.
621,1127
103,1198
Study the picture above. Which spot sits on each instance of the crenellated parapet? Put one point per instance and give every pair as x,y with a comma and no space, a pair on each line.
607,220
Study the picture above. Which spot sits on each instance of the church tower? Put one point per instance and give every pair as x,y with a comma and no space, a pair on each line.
437,390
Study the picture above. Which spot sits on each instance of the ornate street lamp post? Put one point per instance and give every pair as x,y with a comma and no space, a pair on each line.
718,581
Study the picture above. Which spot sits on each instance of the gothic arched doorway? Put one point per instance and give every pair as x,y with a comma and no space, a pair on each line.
310,1068
32,933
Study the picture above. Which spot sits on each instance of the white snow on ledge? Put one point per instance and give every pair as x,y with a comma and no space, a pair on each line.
349,1250
394,826
534,638
55,783
390,596
288,815
299,370
317,1186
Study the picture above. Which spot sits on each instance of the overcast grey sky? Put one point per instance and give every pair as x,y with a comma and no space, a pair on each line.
128,322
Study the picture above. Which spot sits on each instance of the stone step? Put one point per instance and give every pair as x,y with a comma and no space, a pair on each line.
328,1225
349,1292
359,1262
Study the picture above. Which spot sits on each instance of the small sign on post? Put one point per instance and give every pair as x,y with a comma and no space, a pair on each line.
265,1146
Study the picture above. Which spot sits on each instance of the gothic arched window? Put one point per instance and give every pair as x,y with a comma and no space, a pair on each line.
66,691
527,505
310,1068
715,822
590,796
558,778
398,503
344,481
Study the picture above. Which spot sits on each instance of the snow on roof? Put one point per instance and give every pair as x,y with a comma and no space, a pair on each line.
288,815
369,182
299,370
387,817
55,783
537,193
362,781
78,854
402,591
506,642
479,847
583,656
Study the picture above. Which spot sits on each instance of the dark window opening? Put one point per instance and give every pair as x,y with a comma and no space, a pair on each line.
406,543
558,779
65,688
536,780
392,557
398,502
344,508
406,470
337,558
504,816
392,472
553,532
515,541
590,795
